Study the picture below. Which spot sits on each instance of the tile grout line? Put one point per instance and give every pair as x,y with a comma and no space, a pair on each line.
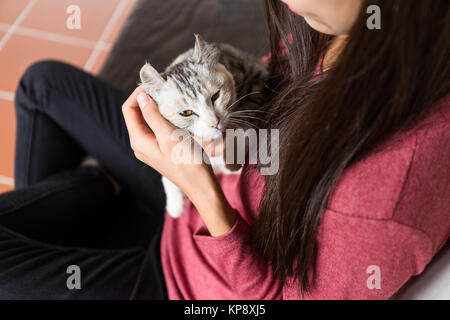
15,28
16,23
50,36
7,95
7,181
10,95
102,41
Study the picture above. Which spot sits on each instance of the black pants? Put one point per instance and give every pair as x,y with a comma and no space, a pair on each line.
63,226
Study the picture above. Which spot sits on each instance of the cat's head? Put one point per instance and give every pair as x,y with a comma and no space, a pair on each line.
194,93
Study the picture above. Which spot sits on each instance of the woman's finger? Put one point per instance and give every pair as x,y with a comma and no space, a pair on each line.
159,125
132,99
138,130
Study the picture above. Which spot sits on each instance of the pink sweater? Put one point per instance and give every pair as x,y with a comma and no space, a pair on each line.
387,216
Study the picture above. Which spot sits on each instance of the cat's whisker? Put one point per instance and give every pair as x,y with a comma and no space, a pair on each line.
235,121
250,117
249,110
244,96
237,115
245,116
244,124
241,122
269,88
239,112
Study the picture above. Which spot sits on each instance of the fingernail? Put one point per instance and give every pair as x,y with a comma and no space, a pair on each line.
142,99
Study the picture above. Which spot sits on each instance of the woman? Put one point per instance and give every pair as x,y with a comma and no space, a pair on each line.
358,206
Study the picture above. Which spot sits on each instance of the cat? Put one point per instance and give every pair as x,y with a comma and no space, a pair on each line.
205,90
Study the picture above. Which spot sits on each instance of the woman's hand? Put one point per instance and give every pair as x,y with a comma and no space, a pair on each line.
151,140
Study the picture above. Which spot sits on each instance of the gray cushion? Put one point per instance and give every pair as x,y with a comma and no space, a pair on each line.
158,30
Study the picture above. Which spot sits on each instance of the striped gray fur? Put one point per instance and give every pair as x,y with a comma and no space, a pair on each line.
194,75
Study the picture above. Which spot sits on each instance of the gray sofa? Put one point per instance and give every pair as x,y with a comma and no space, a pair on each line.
158,30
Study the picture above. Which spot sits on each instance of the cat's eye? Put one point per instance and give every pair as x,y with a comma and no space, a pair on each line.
186,113
215,96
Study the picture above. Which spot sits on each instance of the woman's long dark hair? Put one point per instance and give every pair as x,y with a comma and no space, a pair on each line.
382,82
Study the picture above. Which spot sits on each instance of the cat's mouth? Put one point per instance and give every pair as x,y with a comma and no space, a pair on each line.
208,137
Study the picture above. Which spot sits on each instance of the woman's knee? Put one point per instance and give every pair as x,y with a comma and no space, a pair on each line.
38,79
44,73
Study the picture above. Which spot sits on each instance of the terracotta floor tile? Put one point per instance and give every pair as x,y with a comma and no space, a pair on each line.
50,15
7,138
121,21
5,188
21,51
11,9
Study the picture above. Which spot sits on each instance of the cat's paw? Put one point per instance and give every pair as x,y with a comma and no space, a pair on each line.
174,198
175,208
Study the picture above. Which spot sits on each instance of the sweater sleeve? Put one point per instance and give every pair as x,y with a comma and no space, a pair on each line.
356,258
248,276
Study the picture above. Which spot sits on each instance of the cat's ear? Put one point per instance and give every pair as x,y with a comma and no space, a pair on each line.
203,51
151,80
199,48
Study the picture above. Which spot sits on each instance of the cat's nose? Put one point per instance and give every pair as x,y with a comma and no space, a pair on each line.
216,125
